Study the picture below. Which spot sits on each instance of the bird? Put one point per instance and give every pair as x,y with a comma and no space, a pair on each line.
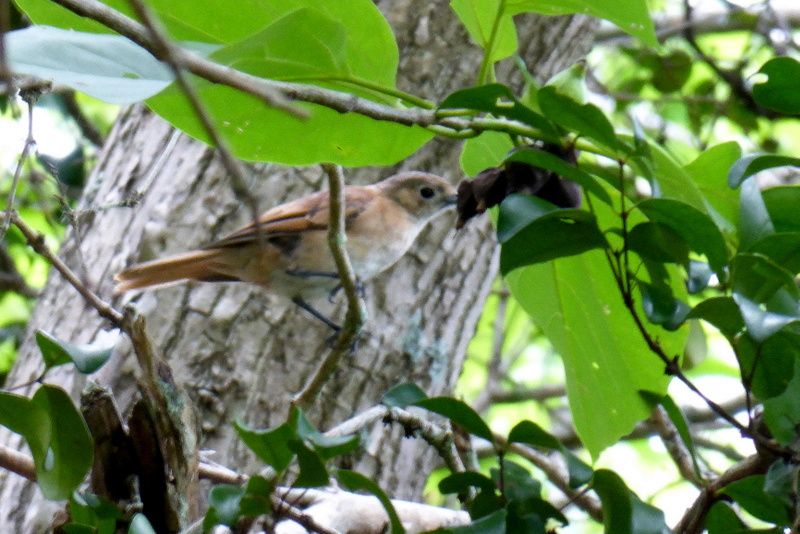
286,250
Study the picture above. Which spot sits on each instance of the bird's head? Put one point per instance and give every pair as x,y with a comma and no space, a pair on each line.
423,195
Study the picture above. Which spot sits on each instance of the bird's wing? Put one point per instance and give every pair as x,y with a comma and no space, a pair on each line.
295,217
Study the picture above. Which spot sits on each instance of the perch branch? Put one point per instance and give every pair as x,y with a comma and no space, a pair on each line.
356,311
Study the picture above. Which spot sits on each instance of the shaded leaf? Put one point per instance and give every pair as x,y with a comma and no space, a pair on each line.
532,230
270,445
312,469
223,506
781,91
661,307
585,119
755,163
782,413
658,242
721,519
779,481
749,494
87,358
551,162
459,413
459,483
498,100
623,511
722,312
494,523
781,204
402,395
694,226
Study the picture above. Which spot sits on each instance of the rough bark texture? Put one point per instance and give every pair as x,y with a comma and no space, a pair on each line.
240,352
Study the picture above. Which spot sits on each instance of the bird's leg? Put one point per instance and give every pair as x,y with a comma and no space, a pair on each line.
360,290
317,314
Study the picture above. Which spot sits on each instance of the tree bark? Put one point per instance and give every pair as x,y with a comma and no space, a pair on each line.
240,352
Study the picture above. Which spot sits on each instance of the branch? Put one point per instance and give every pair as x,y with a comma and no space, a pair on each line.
675,447
540,393
87,128
356,310
170,54
5,27
17,462
692,520
278,94
37,243
30,142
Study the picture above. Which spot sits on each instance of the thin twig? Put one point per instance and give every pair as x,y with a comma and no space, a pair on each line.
356,310
539,393
37,243
87,128
166,51
30,142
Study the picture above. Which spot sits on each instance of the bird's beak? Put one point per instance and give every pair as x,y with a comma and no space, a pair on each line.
451,200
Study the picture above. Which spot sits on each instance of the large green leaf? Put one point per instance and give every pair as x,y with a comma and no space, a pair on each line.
781,91
109,67
632,16
489,149
357,482
782,413
749,494
347,47
781,205
56,434
755,163
577,304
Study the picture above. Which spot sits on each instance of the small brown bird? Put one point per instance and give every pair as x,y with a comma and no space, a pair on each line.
287,251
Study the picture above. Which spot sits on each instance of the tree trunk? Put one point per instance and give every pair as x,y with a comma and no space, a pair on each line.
240,352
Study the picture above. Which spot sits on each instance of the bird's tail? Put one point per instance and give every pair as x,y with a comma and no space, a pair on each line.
200,265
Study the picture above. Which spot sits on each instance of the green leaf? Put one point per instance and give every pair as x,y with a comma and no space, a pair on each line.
661,307
721,519
270,445
530,433
67,447
781,91
781,204
779,481
487,150
488,26
87,509
402,395
108,67
631,16
357,482
140,525
326,447
694,226
551,162
709,171
722,313
87,358
585,119
754,219
672,181
532,230
223,506
782,248
758,278
577,304
762,323
658,242
623,511
459,483
782,413
518,485
755,163
672,71
749,494
768,366
346,47
312,469
459,413
494,523
498,100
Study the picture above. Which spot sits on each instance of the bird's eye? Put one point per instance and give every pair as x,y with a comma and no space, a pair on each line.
427,192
